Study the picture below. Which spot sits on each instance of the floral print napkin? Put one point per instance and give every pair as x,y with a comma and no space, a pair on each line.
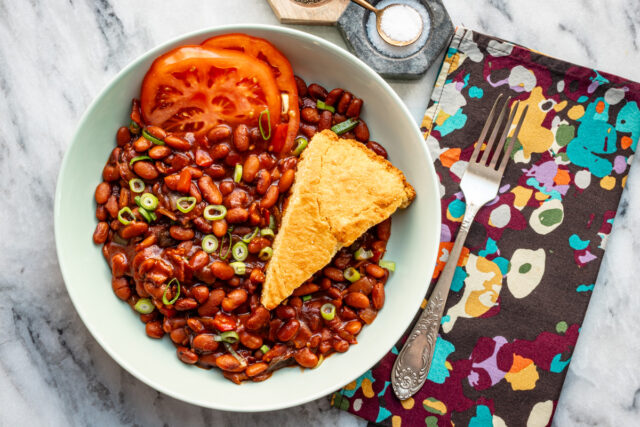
525,277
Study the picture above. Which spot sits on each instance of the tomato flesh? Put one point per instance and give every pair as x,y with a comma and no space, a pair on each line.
192,89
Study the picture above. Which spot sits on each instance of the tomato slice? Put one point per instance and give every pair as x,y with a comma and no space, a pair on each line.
192,89
269,54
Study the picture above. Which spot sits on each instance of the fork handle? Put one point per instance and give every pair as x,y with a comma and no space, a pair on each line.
411,367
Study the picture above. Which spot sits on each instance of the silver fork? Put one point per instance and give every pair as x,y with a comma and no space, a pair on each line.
479,184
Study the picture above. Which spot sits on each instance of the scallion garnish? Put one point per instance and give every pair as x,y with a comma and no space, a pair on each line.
249,236
389,265
264,348
122,219
272,222
322,106
137,185
265,254
320,360
328,311
267,232
361,254
306,298
165,301
146,214
301,144
239,268
137,159
134,128
185,204
345,126
228,246
209,243
152,138
240,251
214,212
144,306
230,337
148,201
351,274
268,135
237,173
239,358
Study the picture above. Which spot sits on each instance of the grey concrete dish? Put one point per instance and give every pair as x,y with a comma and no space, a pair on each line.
353,27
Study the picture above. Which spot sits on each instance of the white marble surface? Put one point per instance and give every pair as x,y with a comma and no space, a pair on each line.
55,56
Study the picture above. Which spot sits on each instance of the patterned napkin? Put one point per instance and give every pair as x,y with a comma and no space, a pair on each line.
524,281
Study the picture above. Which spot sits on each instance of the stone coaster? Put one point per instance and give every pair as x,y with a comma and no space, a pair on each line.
358,28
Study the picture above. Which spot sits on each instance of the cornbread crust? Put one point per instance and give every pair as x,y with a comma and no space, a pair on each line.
341,189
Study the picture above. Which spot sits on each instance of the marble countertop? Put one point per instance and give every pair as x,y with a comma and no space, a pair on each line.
54,58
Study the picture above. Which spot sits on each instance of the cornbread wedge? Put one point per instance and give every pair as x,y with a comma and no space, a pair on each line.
341,190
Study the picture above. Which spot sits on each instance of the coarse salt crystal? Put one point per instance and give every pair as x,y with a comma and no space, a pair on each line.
401,23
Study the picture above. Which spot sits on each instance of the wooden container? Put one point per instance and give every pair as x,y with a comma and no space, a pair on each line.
310,12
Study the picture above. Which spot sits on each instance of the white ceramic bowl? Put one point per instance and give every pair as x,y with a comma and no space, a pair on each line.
413,244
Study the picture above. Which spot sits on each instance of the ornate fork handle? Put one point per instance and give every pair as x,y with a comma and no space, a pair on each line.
411,367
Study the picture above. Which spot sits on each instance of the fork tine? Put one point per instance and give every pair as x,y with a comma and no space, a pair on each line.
503,137
494,133
485,129
507,154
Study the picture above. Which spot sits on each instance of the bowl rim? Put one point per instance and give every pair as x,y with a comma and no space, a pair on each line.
343,54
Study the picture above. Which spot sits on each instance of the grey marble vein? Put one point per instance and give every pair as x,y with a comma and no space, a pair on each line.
54,58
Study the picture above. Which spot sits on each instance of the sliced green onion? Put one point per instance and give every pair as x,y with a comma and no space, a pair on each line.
146,214
185,204
222,247
235,354
240,251
301,144
306,298
322,106
134,127
249,236
328,311
137,159
237,173
230,337
144,306
267,232
165,301
214,212
264,348
239,268
265,253
361,254
148,201
345,126
121,217
152,138
272,222
137,185
389,265
268,135
209,243
351,274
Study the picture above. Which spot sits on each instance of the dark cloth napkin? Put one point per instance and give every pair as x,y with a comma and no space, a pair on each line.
525,278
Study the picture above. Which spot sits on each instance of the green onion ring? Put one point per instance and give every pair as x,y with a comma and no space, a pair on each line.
185,204
272,222
134,128
210,243
239,268
240,251
137,159
351,274
266,111
144,306
345,126
214,212
137,185
301,144
122,219
228,247
389,265
152,138
306,298
361,254
230,337
265,253
237,173
322,106
250,236
165,301
328,311
267,232
264,348
148,201
146,214
239,358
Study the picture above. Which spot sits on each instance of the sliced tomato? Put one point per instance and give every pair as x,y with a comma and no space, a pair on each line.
270,55
192,89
